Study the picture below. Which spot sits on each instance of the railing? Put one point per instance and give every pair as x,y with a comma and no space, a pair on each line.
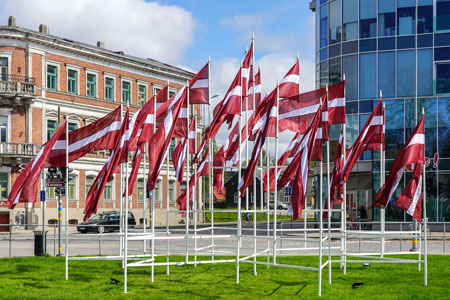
18,149
17,84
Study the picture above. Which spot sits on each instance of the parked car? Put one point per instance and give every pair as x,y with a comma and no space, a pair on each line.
280,205
105,221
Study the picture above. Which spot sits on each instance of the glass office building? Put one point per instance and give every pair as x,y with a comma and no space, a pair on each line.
401,47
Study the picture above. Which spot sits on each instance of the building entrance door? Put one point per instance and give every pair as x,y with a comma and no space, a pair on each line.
358,206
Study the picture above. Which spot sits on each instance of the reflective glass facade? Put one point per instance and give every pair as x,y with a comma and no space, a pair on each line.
402,48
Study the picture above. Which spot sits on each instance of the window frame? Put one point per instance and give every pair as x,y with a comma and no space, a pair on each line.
145,85
130,82
6,112
435,66
113,194
7,171
56,66
76,176
86,175
95,73
78,71
113,78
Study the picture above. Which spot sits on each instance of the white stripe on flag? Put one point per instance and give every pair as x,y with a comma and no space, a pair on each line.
200,84
300,112
291,78
416,197
236,91
336,102
418,138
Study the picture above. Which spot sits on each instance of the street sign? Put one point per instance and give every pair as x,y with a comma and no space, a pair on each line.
288,191
42,196
55,180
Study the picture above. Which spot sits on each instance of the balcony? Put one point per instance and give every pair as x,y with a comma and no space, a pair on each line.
16,90
17,153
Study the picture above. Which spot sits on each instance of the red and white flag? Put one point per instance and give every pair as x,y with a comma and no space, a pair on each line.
199,87
179,154
268,127
160,141
99,135
303,160
371,137
106,173
410,200
218,161
289,85
254,91
26,185
413,152
247,72
297,111
336,103
336,186
135,168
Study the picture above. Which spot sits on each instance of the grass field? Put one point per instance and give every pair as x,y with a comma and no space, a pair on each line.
43,278
232,217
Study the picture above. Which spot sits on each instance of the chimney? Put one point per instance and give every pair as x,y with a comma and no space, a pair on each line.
100,44
43,28
12,21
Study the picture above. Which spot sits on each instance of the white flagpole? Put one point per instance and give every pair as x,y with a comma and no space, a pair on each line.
344,203
246,130
254,176
167,193
144,207
382,174
211,154
275,196
125,272
152,203
268,199
187,177
194,198
425,221
330,202
320,216
239,218
67,201
120,194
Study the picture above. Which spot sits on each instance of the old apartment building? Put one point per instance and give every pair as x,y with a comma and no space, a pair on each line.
40,72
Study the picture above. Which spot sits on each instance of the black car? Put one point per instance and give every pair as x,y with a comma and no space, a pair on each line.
105,221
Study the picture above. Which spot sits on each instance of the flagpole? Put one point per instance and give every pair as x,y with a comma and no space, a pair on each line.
167,193
330,202
211,164
246,139
344,202
125,259
144,206
67,201
320,215
121,196
254,176
425,221
239,220
275,196
382,174
268,199
194,198
187,176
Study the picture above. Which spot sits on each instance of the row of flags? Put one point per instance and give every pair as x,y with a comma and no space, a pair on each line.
162,118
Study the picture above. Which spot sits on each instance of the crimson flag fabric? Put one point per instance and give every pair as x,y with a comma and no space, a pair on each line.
202,170
410,200
162,96
192,129
321,134
270,107
254,91
179,154
135,168
199,87
99,135
247,72
291,170
218,161
413,152
370,138
303,161
289,85
160,141
26,185
336,103
337,189
106,173
281,161
297,111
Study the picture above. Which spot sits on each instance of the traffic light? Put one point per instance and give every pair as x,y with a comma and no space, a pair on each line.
53,172
63,171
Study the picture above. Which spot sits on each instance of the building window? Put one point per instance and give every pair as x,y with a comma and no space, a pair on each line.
141,190
72,185
444,130
324,26
3,68
91,85
172,147
335,21
406,16
425,72
109,88
350,69
236,197
386,17
51,128
89,182
52,74
406,71
108,191
350,20
172,197
425,16
4,184
72,126
335,70
367,76
443,78
394,135
386,73
142,94
3,129
157,191
368,18
72,81
442,15
50,193
126,91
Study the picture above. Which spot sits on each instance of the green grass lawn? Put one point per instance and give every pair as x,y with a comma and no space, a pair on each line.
43,278
232,217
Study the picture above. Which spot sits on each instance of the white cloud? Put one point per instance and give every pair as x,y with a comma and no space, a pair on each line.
144,29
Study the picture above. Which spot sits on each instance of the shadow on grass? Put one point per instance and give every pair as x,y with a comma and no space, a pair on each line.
288,283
